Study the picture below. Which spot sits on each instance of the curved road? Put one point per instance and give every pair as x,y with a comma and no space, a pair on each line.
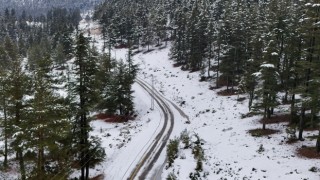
147,161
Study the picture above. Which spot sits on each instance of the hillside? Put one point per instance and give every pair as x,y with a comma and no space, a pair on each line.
230,150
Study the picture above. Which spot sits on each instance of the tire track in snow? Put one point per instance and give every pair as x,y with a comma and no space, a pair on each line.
152,155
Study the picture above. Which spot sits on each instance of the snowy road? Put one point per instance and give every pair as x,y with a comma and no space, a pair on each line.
146,163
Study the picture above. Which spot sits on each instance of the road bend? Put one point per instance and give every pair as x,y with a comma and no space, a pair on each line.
152,154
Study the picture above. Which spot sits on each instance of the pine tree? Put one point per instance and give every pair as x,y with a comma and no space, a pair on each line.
211,30
194,33
120,95
266,91
179,48
309,65
47,119
59,56
158,24
4,121
86,89
14,89
18,87
104,74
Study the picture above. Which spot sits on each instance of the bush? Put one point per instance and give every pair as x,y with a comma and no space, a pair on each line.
96,152
261,149
199,167
184,136
171,176
194,176
197,150
291,133
313,169
172,150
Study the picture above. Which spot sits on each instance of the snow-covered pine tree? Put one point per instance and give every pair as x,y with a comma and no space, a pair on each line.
85,89
48,126
309,71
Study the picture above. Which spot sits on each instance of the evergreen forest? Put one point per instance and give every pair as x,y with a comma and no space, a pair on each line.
51,81
52,77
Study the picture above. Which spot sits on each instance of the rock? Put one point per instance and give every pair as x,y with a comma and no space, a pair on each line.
254,169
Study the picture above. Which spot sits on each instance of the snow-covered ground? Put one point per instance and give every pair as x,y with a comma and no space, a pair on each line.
230,151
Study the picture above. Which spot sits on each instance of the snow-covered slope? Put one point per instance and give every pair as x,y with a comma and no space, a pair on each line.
230,151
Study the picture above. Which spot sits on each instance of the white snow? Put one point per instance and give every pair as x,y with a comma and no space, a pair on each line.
267,66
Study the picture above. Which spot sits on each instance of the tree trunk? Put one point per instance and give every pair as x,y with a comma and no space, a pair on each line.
269,110
280,53
218,66
318,143
41,160
285,99
301,122
82,149
264,117
227,83
273,99
87,165
293,113
233,73
5,162
21,164
82,119
87,156
209,61
251,94
109,49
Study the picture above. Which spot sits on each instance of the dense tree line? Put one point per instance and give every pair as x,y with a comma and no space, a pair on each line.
38,7
266,48
26,30
51,79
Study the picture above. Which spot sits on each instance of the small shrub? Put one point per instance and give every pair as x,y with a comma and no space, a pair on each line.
198,153
199,167
184,137
96,151
313,169
197,150
171,176
261,149
172,150
205,174
291,133
194,176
